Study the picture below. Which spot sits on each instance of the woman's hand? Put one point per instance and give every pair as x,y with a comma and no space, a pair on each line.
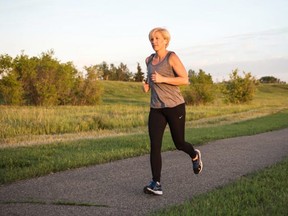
157,78
145,86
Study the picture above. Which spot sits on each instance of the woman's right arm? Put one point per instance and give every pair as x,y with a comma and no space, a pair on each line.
145,83
145,86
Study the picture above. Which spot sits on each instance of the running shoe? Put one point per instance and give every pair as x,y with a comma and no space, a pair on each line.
197,164
153,188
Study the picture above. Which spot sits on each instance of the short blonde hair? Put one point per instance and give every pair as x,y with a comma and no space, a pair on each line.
164,32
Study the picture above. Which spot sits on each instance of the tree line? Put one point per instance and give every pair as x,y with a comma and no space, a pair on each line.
45,81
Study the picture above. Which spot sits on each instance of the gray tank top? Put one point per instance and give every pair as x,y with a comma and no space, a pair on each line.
162,94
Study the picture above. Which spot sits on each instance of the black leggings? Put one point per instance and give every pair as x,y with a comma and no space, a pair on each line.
158,119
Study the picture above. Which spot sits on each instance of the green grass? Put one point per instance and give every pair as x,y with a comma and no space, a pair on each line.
128,93
261,193
125,107
248,127
19,121
32,161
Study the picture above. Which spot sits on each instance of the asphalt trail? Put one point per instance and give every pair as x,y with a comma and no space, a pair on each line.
116,188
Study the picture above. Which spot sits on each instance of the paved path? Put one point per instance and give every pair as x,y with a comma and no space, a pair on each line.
117,187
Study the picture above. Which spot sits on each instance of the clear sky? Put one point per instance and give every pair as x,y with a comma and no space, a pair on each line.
214,35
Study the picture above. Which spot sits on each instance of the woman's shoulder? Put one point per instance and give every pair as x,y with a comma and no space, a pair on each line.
172,56
149,58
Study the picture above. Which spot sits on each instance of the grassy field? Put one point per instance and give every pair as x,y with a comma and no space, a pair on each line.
124,110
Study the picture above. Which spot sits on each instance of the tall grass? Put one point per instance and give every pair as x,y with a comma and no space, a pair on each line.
17,121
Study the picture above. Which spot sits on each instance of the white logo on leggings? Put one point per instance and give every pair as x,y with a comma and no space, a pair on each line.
181,117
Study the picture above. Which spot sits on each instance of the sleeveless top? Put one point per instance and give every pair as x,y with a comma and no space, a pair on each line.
163,95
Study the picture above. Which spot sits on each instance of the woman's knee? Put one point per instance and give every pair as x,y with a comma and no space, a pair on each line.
180,146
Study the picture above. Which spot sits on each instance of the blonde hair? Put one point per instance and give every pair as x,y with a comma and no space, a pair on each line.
164,32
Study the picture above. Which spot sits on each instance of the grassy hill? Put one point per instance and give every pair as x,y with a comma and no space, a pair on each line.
117,92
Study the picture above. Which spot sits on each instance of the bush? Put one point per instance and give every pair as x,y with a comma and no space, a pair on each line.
201,89
239,90
45,81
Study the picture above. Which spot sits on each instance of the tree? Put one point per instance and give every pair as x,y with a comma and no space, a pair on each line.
123,73
139,75
191,73
25,67
112,72
6,65
104,70
11,91
96,69
77,94
201,89
66,75
269,79
46,80
239,90
92,89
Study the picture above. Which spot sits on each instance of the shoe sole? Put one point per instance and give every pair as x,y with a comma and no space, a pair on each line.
150,191
200,159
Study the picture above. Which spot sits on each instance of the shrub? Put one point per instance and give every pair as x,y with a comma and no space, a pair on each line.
45,81
201,89
239,90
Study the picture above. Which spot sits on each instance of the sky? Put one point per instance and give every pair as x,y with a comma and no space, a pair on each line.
215,36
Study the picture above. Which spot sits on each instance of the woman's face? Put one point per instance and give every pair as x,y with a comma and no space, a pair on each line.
157,41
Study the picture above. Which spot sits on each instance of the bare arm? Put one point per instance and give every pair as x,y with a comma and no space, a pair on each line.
145,84
182,75
145,87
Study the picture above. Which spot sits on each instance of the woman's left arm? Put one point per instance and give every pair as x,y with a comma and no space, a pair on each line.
178,67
